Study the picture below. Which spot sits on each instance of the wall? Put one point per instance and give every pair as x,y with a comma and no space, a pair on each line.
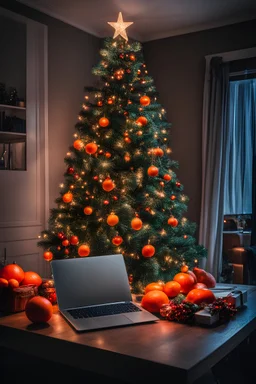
13,55
71,55
177,66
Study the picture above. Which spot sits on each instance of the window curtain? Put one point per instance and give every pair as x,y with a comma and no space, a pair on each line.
241,126
214,158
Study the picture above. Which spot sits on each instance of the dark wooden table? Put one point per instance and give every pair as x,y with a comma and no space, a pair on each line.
132,354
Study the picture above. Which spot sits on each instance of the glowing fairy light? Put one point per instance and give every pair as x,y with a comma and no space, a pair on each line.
75,135
61,185
163,232
183,198
163,131
68,153
168,150
86,97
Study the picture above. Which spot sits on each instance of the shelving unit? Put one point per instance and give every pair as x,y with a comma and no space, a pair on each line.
12,142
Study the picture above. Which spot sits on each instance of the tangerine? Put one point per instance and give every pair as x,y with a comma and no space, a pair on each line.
31,277
185,280
152,301
172,288
155,286
39,309
13,283
12,271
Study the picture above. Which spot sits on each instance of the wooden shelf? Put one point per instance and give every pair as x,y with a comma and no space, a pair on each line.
6,106
12,137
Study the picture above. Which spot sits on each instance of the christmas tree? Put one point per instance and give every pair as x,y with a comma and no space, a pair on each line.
121,193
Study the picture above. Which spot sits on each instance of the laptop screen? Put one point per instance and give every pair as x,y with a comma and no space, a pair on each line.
90,281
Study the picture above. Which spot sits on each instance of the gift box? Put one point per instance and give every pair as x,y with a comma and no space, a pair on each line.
237,298
15,300
204,317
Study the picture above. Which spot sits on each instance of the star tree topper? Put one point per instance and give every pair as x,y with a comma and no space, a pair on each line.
120,26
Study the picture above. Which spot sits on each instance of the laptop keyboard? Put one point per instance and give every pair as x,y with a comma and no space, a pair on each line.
103,310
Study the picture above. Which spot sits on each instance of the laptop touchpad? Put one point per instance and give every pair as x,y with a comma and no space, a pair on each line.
112,320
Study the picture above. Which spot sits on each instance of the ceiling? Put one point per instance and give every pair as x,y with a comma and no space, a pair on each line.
152,19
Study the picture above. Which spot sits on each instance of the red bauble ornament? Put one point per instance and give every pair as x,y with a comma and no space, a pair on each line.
142,120
136,224
96,178
67,197
132,57
66,251
106,202
178,184
167,177
173,222
74,240
108,185
161,183
99,103
70,170
115,198
148,250
173,197
112,219
108,155
61,235
78,144
153,171
84,250
39,309
117,240
103,122
144,100
91,148
48,256
158,152
127,140
88,210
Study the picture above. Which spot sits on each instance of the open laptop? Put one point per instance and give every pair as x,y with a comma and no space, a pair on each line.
94,293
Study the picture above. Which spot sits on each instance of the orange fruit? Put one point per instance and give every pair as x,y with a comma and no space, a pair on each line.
39,309
12,271
154,287
3,282
152,301
31,277
13,283
172,288
185,280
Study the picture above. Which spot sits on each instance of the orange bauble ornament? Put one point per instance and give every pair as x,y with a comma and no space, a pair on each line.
31,277
184,268
78,144
84,250
48,256
199,296
91,148
148,250
152,301
88,210
136,224
142,120
144,100
158,152
185,280
173,222
153,171
117,240
39,309
12,271
108,185
167,177
67,197
155,286
112,219
103,122
172,288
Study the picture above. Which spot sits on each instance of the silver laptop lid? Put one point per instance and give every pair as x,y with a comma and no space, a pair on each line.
90,280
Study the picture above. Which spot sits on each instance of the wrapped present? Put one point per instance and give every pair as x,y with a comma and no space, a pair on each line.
237,298
204,317
14,300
